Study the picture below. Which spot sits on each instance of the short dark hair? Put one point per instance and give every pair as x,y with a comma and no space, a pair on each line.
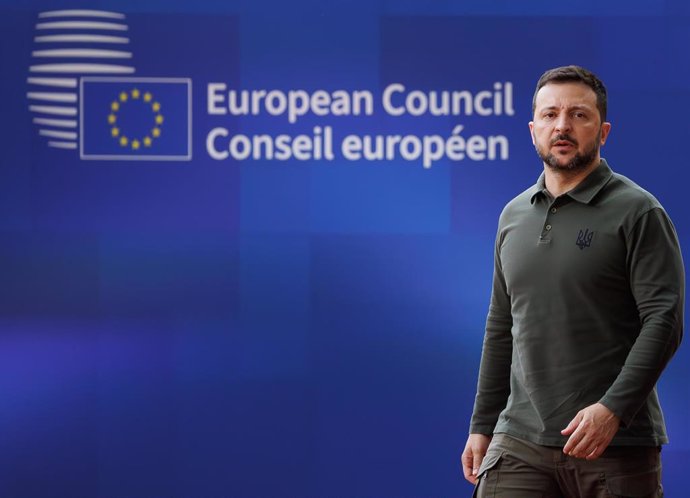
577,74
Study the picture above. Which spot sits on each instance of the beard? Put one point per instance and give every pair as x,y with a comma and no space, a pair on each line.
578,162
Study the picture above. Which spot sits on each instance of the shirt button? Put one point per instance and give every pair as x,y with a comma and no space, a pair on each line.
548,227
553,210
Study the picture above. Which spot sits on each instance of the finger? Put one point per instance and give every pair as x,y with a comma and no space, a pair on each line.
467,459
574,440
467,464
581,449
593,439
477,462
595,453
601,446
574,423
467,472
584,449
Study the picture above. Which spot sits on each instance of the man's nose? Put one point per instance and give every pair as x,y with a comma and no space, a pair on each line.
563,123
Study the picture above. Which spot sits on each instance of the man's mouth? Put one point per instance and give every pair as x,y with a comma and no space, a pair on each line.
563,141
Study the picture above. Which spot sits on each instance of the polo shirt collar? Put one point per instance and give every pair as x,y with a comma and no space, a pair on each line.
538,188
585,191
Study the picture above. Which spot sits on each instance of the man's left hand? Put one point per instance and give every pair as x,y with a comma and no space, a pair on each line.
591,431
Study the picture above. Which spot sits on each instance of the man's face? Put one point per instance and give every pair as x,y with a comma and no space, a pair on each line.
567,131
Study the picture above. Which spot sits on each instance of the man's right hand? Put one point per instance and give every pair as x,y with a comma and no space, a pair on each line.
472,457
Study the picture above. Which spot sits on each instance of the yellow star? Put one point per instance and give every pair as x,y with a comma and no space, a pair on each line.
123,97
115,132
159,119
112,118
135,144
115,106
148,97
156,132
135,93
124,141
147,141
156,107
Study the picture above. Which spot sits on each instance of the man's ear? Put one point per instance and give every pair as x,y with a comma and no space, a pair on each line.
605,130
531,132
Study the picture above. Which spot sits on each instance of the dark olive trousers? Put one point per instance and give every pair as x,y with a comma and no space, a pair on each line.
515,468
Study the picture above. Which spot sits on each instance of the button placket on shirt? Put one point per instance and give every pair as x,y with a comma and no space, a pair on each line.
545,236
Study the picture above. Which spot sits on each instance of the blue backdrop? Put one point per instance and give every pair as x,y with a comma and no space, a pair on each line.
179,320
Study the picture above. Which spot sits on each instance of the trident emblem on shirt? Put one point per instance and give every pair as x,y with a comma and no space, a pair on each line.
584,239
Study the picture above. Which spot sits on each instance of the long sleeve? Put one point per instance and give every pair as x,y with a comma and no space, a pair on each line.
657,283
493,386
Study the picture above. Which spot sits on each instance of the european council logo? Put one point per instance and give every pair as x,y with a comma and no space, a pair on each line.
135,118
79,97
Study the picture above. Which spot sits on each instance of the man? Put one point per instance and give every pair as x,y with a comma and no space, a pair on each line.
586,311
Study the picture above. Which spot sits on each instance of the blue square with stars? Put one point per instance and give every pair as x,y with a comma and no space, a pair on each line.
135,118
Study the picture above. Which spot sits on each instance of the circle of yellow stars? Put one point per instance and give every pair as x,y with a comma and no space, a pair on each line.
116,105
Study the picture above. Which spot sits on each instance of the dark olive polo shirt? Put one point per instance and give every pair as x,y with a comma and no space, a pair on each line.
586,307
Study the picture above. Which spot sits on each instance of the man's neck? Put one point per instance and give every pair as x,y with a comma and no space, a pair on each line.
558,182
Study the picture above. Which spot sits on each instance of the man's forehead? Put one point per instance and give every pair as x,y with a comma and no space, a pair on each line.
566,93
